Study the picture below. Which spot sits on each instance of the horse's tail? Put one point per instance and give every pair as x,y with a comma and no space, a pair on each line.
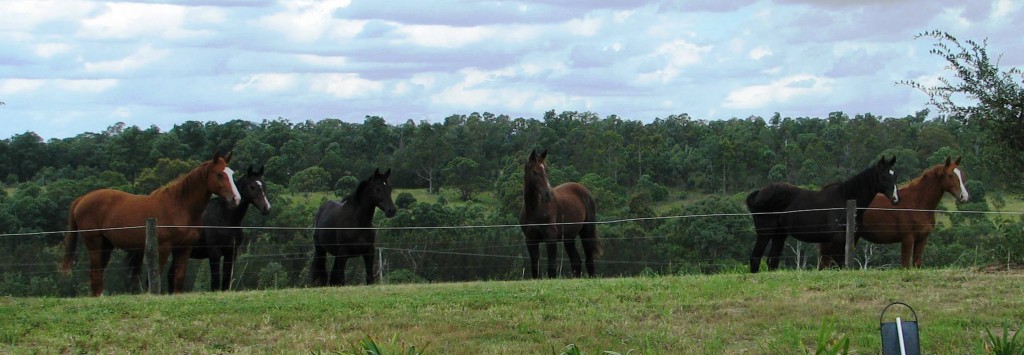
71,239
589,234
752,200
772,198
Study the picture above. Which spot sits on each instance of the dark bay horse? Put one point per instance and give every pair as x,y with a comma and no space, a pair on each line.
179,203
821,217
920,197
354,211
559,214
220,245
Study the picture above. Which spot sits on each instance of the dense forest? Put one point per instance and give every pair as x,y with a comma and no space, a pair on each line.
467,171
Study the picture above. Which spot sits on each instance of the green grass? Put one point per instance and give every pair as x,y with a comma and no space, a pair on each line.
773,312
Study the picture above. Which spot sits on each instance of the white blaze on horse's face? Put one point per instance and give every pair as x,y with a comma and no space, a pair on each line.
895,190
231,180
546,193
265,200
964,196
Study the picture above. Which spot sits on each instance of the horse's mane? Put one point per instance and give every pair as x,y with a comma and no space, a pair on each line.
356,195
931,171
177,186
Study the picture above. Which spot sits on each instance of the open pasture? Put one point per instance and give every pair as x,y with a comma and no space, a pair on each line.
778,312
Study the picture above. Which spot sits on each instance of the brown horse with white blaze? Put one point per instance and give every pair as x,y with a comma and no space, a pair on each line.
913,220
559,214
108,218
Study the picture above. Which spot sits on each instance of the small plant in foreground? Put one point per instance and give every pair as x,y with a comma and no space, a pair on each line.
368,346
572,349
827,344
1004,345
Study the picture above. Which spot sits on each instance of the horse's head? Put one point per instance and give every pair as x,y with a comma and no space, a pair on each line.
220,179
253,190
953,180
885,178
535,175
378,190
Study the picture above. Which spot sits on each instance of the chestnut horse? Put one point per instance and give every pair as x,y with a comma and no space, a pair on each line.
887,225
108,218
781,210
559,214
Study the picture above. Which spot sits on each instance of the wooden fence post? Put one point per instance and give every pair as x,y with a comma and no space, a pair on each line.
151,257
851,229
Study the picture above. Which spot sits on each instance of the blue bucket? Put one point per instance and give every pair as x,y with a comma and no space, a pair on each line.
900,336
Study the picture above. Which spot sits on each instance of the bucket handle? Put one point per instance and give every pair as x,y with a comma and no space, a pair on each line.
882,316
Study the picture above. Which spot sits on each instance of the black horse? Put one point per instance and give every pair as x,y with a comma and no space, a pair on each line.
220,245
343,229
824,221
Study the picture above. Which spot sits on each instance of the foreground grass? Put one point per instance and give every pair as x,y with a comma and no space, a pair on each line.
775,312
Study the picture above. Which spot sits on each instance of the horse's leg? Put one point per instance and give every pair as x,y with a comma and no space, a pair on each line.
574,256
214,271
919,251
180,265
99,256
318,270
135,271
778,242
338,270
533,248
906,250
758,252
591,246
368,263
228,269
829,254
552,249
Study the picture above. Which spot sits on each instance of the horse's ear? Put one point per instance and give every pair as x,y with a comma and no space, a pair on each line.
544,155
892,161
958,160
249,170
261,169
533,155
376,172
216,155
227,157
947,161
387,174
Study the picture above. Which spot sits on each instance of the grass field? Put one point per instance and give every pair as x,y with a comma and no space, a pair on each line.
775,312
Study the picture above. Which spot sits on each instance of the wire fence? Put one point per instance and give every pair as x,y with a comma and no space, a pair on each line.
277,257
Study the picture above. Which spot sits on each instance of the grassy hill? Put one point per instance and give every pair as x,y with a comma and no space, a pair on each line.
775,312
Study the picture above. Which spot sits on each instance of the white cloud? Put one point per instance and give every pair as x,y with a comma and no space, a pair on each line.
145,55
267,82
443,36
18,86
27,15
778,92
323,61
86,85
135,20
760,52
587,27
1004,8
308,20
48,50
345,85
676,55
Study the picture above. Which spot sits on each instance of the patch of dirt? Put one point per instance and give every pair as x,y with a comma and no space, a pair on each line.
1002,268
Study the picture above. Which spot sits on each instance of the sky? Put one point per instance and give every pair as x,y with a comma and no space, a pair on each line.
70,67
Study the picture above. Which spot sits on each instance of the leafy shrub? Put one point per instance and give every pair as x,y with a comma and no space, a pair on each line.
404,200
